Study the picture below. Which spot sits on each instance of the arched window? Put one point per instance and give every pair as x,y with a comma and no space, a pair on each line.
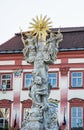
26,105
76,114
5,113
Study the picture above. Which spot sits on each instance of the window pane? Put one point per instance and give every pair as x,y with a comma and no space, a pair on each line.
8,84
73,123
3,82
28,80
4,117
76,79
52,79
6,80
79,112
6,76
3,76
74,112
76,117
28,75
74,82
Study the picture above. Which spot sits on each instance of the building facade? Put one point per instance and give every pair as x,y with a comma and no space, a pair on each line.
66,77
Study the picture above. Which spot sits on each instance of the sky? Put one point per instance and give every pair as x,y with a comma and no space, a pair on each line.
15,14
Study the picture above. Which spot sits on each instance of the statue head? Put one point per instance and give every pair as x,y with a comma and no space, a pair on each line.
38,80
52,34
28,35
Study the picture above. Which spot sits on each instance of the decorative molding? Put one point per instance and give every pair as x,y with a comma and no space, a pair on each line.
5,103
6,62
64,70
76,100
26,103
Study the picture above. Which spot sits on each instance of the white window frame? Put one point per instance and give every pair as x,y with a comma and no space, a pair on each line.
76,117
76,79
51,79
4,118
6,80
26,78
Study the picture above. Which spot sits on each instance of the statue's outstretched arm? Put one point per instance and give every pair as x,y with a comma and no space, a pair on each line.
23,41
22,38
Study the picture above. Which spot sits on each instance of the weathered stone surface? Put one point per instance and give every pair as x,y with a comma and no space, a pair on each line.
40,53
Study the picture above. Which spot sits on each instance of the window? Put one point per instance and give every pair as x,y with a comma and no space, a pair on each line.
77,117
6,80
4,117
52,79
76,79
27,80
26,106
76,114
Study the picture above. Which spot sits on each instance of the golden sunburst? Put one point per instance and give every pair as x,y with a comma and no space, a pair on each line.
40,26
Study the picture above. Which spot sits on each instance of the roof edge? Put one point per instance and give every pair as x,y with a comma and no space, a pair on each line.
60,50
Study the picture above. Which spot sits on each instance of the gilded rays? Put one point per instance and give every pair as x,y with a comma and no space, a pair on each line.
40,26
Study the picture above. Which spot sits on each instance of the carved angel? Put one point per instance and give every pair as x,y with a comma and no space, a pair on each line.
53,44
29,50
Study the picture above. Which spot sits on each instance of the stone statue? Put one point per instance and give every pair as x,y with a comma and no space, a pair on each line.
29,50
53,44
40,52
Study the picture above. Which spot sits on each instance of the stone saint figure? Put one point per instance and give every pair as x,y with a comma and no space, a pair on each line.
29,50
